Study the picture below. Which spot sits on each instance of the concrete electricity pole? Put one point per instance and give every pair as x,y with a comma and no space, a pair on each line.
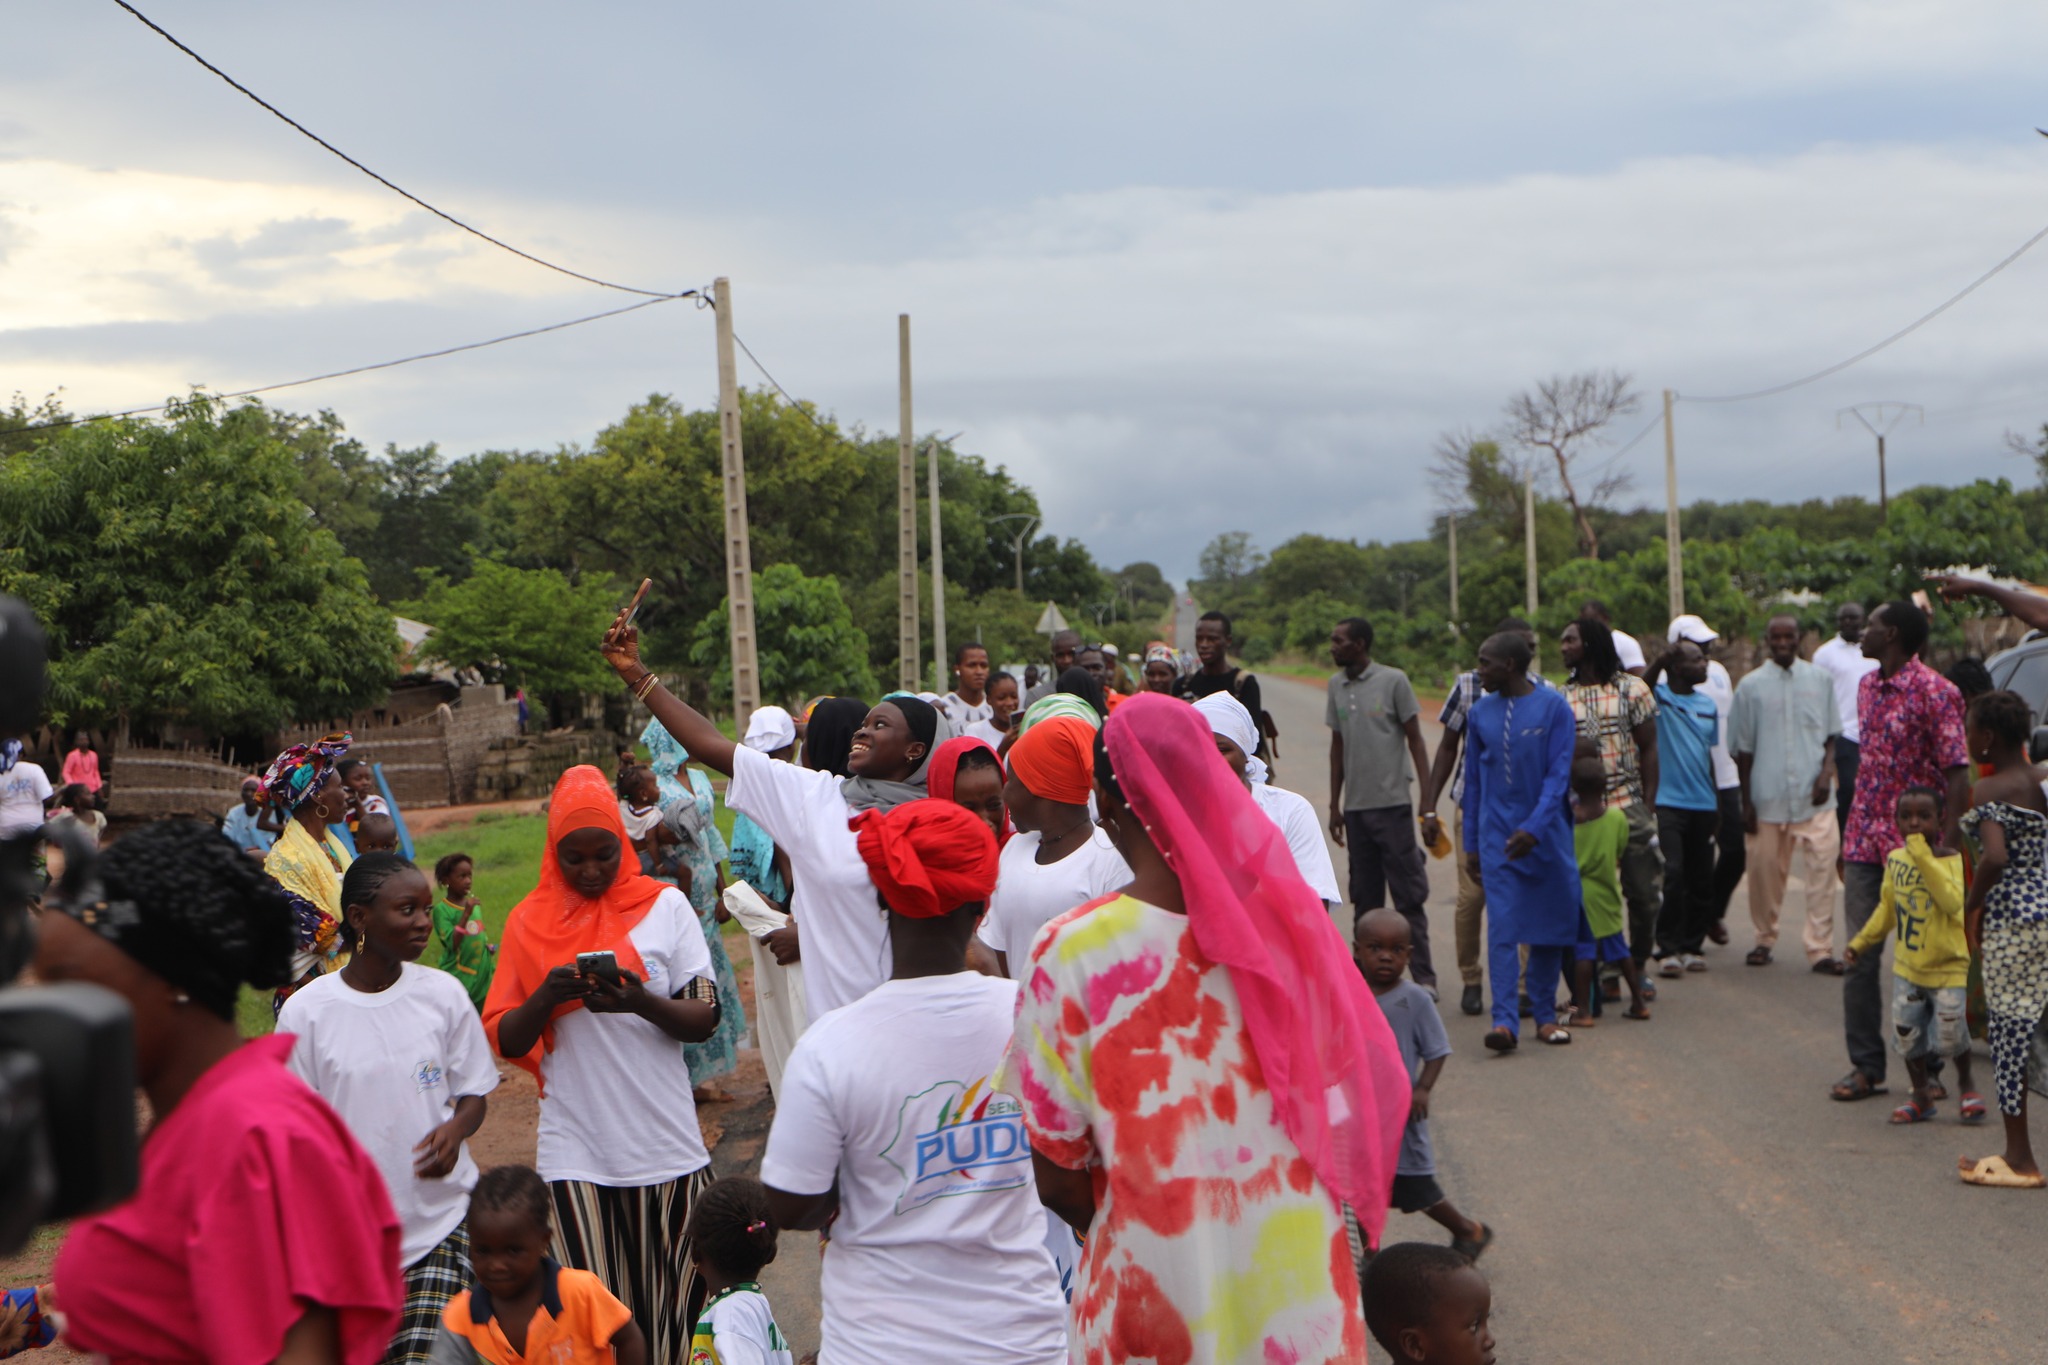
1674,563
739,561
906,518
1883,420
938,572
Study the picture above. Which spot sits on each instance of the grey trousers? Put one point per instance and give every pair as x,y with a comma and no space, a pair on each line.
1386,856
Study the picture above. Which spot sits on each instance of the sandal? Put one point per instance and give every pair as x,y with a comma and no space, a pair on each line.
1472,1248
1499,1040
1635,1012
1994,1172
1553,1035
1828,966
1912,1111
1578,1018
1972,1107
1759,956
1855,1086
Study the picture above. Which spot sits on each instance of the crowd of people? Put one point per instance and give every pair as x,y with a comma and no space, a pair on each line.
1069,1059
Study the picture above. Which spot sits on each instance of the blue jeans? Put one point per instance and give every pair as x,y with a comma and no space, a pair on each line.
1504,967
1929,1020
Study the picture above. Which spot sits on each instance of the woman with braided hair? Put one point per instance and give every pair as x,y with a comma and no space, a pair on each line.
260,1229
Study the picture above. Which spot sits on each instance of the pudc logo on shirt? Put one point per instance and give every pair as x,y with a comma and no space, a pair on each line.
426,1075
958,1139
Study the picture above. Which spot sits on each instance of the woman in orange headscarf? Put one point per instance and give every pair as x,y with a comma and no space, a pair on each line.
619,1142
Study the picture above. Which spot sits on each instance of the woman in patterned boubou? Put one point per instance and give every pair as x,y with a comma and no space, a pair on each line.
304,787
2006,919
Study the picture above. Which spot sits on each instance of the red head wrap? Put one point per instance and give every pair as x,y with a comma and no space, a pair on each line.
1055,759
927,858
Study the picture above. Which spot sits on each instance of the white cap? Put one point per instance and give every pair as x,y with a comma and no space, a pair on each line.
770,728
1690,627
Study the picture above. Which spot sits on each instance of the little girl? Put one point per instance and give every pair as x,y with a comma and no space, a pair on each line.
398,1050
466,954
640,808
731,1237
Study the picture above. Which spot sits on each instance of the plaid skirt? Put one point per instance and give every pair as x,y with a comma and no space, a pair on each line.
633,1240
430,1282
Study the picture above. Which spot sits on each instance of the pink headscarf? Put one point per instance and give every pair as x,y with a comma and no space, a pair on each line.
1329,1058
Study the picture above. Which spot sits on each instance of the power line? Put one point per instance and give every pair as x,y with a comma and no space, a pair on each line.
396,189
1899,335
365,369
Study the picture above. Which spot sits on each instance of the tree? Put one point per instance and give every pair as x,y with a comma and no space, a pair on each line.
1564,417
530,628
2035,449
1229,560
1143,588
808,642
181,582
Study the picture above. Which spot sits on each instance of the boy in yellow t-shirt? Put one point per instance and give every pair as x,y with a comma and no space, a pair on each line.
1923,895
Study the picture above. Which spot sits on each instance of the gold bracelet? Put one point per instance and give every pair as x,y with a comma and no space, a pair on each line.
646,685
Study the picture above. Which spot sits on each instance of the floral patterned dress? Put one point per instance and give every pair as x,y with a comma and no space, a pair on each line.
719,1053
1213,1240
2015,952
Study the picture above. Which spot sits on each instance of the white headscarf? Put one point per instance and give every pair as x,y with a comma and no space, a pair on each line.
1227,717
770,728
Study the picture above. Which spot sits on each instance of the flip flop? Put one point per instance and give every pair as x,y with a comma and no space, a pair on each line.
1854,1086
1635,1012
1472,1248
1558,1036
1993,1171
1972,1107
1912,1111
1759,956
1578,1018
1499,1040
1828,966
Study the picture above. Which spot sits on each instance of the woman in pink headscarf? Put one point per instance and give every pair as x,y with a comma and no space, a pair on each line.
1206,1079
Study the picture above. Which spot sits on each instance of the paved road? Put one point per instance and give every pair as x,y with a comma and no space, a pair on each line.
1684,1191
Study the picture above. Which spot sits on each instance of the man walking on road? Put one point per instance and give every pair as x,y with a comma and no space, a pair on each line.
1784,733
1912,723
1375,752
1688,722
1447,773
1731,856
1843,660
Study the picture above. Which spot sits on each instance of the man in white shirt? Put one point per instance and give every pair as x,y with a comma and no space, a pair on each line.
1731,858
890,1130
968,704
1842,660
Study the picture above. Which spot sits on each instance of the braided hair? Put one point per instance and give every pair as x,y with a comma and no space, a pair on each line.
363,880
188,905
731,1228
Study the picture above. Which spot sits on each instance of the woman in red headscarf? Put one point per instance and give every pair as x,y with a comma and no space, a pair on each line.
968,773
1216,1005
619,1142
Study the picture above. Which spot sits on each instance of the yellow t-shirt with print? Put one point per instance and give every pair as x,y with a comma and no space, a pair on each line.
1923,897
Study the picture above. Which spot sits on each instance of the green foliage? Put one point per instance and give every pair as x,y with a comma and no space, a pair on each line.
180,579
808,642
530,628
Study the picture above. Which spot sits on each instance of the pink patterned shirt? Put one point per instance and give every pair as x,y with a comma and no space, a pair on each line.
1912,732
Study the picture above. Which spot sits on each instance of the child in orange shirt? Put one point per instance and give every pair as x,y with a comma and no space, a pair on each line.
523,1306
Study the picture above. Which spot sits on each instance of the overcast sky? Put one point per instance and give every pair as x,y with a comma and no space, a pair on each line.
1183,267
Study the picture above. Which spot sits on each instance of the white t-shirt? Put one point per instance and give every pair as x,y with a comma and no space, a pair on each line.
638,822
1297,820
891,1097
1030,894
393,1063
1631,653
1721,688
615,1107
963,714
986,732
841,924
1845,663
742,1330
23,789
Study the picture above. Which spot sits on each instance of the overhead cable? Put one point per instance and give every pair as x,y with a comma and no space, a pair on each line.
387,184
365,369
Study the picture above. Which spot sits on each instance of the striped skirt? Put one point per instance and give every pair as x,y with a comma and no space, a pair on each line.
430,1282
633,1240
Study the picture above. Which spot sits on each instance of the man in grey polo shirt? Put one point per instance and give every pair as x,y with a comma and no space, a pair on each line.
1375,753
1783,736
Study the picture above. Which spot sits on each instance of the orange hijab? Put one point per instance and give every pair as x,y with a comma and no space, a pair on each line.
553,924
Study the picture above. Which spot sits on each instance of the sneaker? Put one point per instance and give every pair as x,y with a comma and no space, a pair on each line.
1671,966
1695,963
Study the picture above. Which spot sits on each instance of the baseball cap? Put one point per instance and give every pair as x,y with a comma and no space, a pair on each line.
1690,627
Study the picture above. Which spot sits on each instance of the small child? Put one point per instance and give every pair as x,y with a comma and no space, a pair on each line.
465,953
523,1306
359,786
731,1237
1426,1303
1923,894
376,834
1599,834
1384,943
640,809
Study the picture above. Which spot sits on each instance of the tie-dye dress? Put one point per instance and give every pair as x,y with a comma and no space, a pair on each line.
1213,1240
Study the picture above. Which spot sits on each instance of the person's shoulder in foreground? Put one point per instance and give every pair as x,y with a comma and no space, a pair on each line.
1428,1303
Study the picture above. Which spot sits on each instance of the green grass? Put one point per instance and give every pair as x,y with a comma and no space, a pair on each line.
506,849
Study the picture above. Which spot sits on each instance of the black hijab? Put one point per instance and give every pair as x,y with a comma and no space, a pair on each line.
828,741
1079,682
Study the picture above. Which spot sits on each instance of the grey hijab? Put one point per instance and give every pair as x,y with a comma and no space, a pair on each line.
929,726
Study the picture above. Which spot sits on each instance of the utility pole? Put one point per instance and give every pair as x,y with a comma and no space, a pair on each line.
938,572
1529,534
906,517
1017,541
739,559
1883,420
1674,554
1451,527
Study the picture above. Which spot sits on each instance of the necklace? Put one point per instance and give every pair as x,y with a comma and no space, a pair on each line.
1064,834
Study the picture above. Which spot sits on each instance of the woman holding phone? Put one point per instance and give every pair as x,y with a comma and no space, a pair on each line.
602,978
